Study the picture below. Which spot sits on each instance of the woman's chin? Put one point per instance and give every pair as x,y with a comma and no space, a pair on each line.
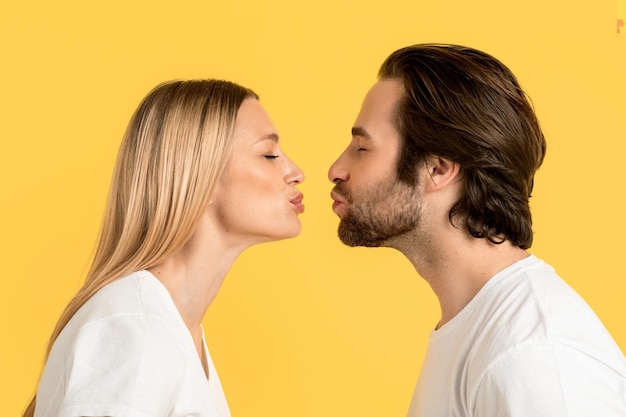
287,233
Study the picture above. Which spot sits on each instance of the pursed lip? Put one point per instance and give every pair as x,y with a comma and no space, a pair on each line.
337,200
297,203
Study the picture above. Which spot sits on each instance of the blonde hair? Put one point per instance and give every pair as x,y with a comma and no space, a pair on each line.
173,152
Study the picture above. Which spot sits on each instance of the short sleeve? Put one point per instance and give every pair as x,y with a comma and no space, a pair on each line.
123,366
550,380
523,382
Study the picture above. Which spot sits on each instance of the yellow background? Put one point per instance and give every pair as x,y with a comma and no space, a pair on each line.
305,327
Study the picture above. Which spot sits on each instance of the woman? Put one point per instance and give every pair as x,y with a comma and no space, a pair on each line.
200,176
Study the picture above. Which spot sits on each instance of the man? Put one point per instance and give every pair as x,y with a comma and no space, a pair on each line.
441,167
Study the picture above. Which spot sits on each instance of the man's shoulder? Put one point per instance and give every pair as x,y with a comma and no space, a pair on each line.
526,302
536,310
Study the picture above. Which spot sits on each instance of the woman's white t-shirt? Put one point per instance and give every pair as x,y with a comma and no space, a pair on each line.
128,353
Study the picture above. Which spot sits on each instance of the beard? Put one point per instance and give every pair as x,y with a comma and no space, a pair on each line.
385,211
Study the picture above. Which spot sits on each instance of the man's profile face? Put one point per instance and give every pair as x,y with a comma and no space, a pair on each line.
372,204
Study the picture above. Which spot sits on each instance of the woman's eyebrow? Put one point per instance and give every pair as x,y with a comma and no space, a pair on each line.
270,136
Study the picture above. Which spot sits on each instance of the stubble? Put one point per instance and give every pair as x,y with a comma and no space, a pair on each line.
384,212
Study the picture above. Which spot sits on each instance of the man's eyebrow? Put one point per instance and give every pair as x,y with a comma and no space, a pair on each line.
270,136
360,132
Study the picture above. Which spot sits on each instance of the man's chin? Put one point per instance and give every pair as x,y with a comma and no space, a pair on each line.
354,237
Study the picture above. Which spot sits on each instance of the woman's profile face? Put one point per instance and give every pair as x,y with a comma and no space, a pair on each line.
256,199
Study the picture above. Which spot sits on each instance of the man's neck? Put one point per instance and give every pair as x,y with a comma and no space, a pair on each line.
457,266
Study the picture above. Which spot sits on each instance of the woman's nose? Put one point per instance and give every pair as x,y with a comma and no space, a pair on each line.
294,174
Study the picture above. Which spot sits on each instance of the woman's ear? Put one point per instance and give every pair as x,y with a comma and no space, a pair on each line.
440,172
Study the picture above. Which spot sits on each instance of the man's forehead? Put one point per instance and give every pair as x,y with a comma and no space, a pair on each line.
382,99
386,89
378,109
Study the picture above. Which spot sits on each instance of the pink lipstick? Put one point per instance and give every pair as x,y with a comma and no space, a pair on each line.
297,203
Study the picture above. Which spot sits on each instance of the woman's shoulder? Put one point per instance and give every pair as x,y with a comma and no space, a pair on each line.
138,293
136,304
112,357
130,315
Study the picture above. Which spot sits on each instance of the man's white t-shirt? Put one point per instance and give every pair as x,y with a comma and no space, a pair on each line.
526,345
128,353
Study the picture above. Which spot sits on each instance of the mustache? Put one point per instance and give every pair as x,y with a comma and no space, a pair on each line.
342,191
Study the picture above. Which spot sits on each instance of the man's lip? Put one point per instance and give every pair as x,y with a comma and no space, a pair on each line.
337,201
336,198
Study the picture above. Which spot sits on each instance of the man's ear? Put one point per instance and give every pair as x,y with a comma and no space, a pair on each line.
440,172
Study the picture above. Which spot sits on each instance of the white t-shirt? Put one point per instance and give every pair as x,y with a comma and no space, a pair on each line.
128,353
526,345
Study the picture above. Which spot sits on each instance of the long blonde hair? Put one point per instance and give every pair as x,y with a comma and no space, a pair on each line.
173,152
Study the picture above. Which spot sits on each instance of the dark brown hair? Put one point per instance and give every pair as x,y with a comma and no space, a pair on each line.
466,106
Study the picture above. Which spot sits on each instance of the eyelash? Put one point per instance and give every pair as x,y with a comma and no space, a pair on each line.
271,156
359,147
